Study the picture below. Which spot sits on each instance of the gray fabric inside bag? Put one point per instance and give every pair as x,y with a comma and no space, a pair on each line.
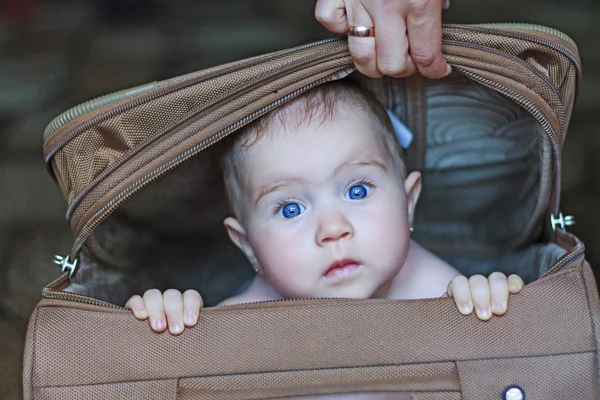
485,179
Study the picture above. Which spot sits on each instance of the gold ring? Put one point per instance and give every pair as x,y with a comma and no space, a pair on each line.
360,31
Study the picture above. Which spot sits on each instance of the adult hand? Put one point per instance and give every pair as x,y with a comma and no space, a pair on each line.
408,34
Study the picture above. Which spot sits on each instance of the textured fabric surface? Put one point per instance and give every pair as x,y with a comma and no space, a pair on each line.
487,379
376,345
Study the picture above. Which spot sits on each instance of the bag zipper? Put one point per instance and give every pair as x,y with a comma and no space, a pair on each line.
92,105
100,215
100,102
494,30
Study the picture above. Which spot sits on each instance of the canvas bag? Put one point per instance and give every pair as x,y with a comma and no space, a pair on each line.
106,151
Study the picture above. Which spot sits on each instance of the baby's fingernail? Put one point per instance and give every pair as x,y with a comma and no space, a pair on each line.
175,328
466,309
484,314
159,324
500,307
190,320
448,69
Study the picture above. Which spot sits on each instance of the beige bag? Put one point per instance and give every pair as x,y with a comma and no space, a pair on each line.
488,139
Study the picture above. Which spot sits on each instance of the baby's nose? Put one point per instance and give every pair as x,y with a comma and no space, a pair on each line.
333,227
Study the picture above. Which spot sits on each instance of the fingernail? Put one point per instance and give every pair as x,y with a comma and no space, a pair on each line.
484,313
159,324
175,328
499,306
190,320
466,309
448,69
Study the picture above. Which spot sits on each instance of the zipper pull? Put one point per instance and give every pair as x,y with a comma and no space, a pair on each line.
65,264
561,221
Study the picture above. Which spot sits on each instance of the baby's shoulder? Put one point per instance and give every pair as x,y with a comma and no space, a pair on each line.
424,275
259,290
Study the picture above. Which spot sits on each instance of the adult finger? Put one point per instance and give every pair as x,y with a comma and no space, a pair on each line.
424,27
480,294
391,40
498,292
458,288
332,15
154,304
173,303
362,49
136,304
192,303
515,283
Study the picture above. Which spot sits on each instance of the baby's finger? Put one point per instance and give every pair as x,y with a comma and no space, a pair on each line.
480,294
192,303
459,289
498,292
173,303
515,283
154,304
136,304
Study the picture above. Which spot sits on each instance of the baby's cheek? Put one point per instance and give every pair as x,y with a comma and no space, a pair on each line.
390,235
278,251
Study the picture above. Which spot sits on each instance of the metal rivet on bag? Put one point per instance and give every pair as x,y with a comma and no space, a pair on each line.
513,393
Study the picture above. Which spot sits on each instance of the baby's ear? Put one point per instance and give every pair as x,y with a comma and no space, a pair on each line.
412,186
238,236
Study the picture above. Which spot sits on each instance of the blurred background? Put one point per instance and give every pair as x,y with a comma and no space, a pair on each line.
56,54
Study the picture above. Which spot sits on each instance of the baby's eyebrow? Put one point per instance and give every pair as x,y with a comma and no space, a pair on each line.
370,163
270,189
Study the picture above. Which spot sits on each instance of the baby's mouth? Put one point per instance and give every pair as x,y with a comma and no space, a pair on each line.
341,268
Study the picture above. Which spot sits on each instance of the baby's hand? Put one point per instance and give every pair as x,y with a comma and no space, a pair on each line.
171,306
488,295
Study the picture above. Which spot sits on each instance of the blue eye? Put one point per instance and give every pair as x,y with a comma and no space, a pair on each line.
290,210
358,192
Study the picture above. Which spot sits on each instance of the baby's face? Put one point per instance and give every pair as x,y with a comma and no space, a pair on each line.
325,209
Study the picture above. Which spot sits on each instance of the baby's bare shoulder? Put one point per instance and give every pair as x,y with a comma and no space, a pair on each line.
259,290
423,275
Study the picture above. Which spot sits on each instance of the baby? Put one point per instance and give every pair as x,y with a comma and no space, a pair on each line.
323,209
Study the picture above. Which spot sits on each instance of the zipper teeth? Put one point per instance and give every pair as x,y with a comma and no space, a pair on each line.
60,295
521,100
101,214
510,57
532,109
91,105
533,27
158,93
566,260
493,29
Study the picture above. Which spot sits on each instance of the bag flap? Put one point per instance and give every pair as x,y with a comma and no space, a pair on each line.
276,349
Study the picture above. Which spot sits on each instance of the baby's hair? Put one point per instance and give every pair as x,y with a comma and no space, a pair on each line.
320,102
